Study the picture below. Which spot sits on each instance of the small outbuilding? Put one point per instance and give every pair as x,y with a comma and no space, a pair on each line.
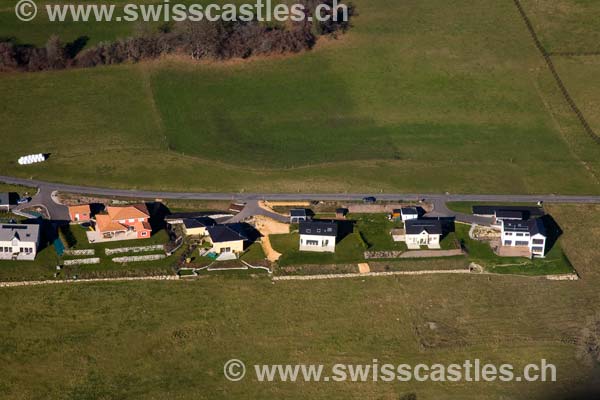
80,213
409,213
298,215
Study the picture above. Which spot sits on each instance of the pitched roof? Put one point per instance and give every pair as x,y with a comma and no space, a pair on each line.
23,232
516,214
104,223
128,212
416,226
532,226
320,228
298,212
536,226
528,211
409,211
191,223
223,233
80,209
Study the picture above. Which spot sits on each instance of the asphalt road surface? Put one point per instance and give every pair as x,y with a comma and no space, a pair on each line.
438,200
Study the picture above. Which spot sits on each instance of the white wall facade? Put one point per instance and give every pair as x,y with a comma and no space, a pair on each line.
422,239
18,250
318,243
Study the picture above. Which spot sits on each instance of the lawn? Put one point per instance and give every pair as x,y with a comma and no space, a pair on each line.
375,231
566,25
419,97
555,262
348,251
141,340
44,266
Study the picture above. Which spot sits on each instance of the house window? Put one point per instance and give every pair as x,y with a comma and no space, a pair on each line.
226,250
325,243
508,242
538,241
508,233
144,233
519,234
312,242
521,243
537,249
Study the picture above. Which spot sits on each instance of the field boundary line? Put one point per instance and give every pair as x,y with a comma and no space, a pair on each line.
61,281
562,87
574,53
373,274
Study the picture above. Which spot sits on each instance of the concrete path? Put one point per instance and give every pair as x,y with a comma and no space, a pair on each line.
253,208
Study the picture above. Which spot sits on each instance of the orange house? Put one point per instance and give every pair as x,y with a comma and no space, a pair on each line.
80,213
127,222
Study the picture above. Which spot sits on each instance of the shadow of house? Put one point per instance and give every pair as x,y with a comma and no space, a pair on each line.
158,211
96,208
13,198
553,231
246,230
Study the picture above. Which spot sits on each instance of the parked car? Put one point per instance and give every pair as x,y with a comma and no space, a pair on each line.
369,200
24,200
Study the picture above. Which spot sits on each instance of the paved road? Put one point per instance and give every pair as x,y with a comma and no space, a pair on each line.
252,208
439,200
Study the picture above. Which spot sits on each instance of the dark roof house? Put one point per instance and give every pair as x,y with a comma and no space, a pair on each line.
319,228
417,226
490,211
409,211
223,233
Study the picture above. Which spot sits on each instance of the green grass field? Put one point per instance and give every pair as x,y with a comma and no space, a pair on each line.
171,339
432,96
566,25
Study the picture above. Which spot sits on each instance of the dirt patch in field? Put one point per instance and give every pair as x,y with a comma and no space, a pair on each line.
267,226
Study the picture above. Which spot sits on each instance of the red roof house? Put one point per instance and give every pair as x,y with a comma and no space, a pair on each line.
125,221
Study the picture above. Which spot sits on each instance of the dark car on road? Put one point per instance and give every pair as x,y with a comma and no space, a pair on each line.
369,200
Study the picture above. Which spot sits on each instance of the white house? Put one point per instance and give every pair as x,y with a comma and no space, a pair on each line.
298,215
19,241
318,236
423,232
409,213
530,234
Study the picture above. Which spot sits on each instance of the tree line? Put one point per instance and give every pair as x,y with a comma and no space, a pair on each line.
218,40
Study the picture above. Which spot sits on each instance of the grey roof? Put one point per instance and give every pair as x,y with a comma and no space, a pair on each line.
516,226
4,198
23,232
536,226
191,223
321,228
532,226
528,211
298,212
515,214
416,226
409,211
223,233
